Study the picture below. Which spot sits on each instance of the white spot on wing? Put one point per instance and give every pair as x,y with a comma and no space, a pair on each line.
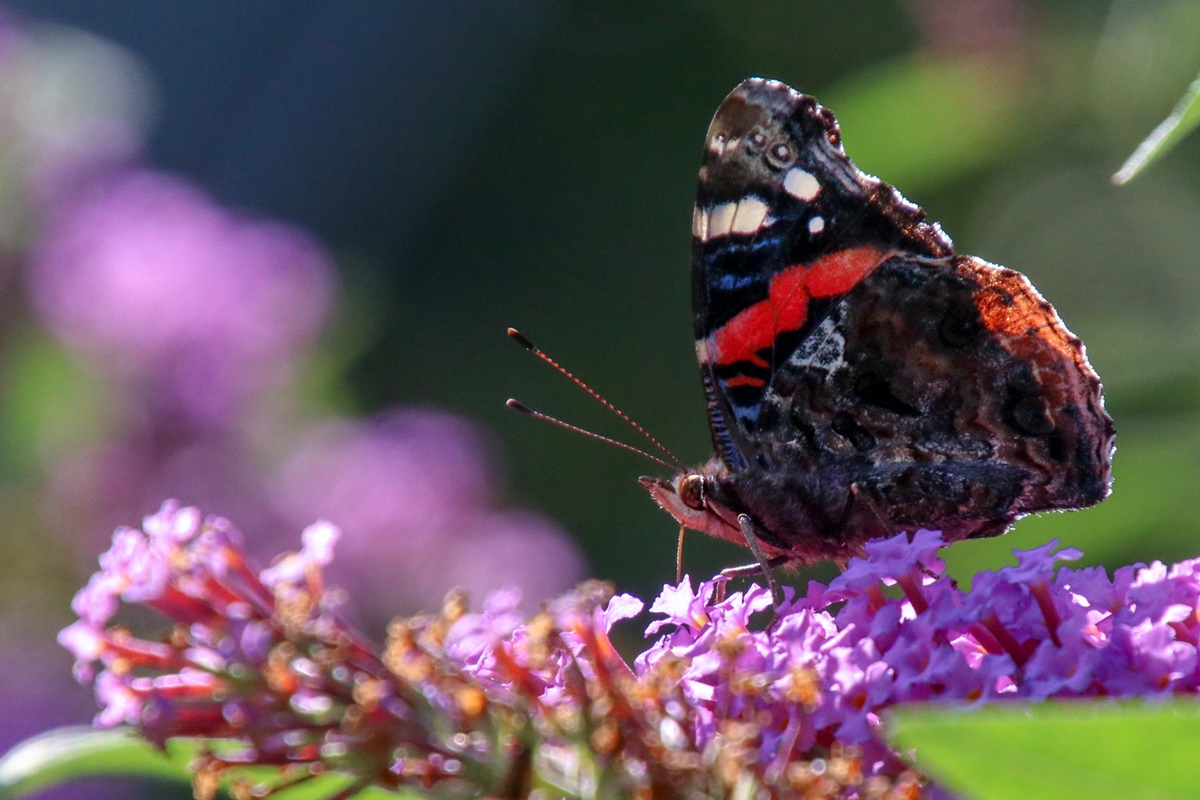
816,225
801,185
749,217
720,220
700,223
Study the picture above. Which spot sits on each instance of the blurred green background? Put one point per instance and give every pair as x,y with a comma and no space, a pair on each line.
474,166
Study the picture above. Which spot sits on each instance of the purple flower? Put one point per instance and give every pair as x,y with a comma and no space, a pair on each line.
262,657
680,606
72,104
316,554
181,297
1021,633
888,561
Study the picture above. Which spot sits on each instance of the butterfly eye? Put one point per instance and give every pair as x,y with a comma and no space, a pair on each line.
691,491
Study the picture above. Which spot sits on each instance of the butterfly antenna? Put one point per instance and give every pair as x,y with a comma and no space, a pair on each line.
517,405
520,339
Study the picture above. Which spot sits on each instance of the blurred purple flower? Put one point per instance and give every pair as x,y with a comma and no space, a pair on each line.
71,104
177,295
414,493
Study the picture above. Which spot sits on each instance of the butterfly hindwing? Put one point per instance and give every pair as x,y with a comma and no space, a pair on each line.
939,391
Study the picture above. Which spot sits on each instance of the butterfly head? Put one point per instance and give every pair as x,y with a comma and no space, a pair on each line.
697,501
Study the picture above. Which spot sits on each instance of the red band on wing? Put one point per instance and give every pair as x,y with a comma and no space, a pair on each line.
786,307
837,273
746,380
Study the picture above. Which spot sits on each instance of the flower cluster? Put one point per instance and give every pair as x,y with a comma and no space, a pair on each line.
839,656
727,701
263,657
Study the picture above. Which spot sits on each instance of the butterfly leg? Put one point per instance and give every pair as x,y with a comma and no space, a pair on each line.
756,569
750,571
762,566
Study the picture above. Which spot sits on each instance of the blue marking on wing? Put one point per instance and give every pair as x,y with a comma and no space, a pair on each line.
735,252
746,414
730,282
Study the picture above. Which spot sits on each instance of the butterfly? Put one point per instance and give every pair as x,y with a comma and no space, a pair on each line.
862,378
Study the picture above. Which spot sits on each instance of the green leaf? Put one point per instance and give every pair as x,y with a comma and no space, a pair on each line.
1182,119
67,754
1085,750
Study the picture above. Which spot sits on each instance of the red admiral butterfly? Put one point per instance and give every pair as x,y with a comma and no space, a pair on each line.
863,378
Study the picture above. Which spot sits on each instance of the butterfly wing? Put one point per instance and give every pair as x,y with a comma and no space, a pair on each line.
943,393
784,226
860,376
